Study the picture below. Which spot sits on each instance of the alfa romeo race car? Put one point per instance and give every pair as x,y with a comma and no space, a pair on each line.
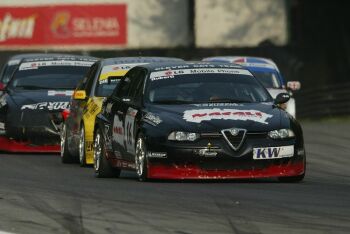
12,64
197,121
32,103
78,130
268,74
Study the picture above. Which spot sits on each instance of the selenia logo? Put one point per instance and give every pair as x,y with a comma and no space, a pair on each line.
59,25
16,28
200,115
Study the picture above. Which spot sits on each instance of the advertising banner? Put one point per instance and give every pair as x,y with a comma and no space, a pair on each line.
63,26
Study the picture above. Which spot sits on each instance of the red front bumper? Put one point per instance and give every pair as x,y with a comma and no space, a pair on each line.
9,145
157,171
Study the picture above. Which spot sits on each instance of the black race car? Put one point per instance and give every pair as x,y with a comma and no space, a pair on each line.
197,120
33,100
13,62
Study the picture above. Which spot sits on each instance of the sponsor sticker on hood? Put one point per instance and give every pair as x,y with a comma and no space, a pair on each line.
46,106
197,116
60,93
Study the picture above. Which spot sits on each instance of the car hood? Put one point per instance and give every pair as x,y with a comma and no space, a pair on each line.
51,100
259,117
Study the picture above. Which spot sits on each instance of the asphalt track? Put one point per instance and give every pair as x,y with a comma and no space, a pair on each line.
38,194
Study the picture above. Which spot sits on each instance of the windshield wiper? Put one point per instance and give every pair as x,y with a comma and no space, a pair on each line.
228,100
171,101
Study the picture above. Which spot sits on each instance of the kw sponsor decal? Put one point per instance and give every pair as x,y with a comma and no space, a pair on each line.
200,115
16,28
273,152
46,106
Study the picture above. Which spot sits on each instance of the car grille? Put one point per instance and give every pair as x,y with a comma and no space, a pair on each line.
234,137
234,141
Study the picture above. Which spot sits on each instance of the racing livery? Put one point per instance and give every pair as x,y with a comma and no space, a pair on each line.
268,74
78,130
33,100
197,121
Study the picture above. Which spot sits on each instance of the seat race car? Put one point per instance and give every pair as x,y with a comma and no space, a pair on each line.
268,74
78,130
197,120
32,102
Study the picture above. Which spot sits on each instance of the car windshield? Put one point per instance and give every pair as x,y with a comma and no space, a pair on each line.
105,87
206,88
48,77
7,73
268,79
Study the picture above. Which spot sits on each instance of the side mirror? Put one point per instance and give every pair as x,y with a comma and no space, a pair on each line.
281,98
2,86
79,95
293,85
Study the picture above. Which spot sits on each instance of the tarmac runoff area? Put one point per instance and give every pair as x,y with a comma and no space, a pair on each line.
38,194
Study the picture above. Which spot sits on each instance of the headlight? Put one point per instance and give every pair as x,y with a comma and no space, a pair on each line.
183,136
281,134
152,119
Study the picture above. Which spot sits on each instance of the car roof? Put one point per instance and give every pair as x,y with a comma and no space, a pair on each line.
46,57
127,60
246,61
31,55
188,65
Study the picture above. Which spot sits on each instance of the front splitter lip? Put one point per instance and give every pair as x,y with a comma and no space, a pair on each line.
180,172
13,146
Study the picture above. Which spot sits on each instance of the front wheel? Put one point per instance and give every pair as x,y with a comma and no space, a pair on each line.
66,157
82,155
102,167
141,159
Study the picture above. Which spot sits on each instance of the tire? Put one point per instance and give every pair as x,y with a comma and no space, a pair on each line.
82,154
292,179
66,157
141,163
102,167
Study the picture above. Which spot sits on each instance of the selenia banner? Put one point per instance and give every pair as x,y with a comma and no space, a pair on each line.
70,26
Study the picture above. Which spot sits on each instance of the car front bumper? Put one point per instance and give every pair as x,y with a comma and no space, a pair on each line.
175,160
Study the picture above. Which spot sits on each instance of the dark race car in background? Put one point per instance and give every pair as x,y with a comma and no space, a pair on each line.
13,62
267,72
197,121
33,100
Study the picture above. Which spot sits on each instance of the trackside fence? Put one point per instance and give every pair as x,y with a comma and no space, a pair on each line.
324,101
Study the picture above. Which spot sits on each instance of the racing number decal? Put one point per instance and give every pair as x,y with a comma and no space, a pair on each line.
118,131
123,134
129,127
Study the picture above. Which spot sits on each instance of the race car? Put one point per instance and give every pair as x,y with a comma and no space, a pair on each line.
32,103
12,64
268,74
197,120
78,130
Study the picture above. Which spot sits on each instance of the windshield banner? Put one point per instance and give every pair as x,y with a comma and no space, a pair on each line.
70,26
